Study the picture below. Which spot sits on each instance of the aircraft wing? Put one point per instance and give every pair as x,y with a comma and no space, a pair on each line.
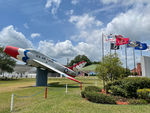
54,69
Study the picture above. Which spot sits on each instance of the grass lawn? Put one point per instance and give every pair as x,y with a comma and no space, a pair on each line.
57,101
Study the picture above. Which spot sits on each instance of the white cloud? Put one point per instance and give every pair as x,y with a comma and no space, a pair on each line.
92,51
9,36
133,23
109,1
89,35
66,49
58,50
33,35
85,21
53,4
125,2
74,2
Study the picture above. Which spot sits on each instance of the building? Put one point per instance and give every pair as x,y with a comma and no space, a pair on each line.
137,70
145,64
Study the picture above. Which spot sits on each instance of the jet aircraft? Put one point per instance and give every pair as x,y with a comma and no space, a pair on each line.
37,59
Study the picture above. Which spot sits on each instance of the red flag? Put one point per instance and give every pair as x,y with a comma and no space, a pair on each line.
120,40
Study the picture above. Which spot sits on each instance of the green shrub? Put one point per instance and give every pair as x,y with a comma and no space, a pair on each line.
129,85
137,101
115,83
144,94
92,88
117,91
100,98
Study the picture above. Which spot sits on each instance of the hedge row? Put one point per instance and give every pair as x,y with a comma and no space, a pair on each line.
128,87
100,98
92,93
92,88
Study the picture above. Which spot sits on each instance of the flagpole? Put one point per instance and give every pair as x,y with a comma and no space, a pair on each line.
141,56
141,52
134,59
102,46
126,57
115,52
103,56
110,48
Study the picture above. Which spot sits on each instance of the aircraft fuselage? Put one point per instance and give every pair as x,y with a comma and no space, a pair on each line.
27,56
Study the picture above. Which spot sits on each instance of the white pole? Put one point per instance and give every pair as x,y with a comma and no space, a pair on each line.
12,101
66,88
95,83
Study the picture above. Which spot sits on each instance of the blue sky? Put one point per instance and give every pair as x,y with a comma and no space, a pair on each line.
65,28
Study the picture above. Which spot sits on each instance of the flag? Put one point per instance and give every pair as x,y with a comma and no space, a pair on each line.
120,40
114,47
141,46
133,43
110,38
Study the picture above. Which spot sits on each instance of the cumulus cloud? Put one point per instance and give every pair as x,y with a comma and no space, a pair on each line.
9,36
66,49
85,21
89,35
53,4
133,23
58,50
91,50
33,35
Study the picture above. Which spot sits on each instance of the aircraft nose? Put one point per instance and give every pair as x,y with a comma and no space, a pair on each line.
12,51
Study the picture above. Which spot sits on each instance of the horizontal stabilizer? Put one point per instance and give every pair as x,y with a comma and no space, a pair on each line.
78,66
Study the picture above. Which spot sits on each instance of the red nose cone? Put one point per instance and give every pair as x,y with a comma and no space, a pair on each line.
12,51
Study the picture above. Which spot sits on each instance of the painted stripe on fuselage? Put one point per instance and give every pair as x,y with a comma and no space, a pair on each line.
25,58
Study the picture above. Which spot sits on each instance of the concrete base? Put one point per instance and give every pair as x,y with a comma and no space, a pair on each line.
41,77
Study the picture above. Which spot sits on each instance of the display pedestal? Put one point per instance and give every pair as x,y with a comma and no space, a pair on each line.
41,77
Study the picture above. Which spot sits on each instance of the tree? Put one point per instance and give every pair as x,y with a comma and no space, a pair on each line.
80,58
6,62
110,68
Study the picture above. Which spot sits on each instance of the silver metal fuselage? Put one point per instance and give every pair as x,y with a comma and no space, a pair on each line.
32,54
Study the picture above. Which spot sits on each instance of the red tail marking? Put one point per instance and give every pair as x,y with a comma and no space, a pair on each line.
76,65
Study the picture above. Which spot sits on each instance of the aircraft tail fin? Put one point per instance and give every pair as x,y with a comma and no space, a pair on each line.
78,66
